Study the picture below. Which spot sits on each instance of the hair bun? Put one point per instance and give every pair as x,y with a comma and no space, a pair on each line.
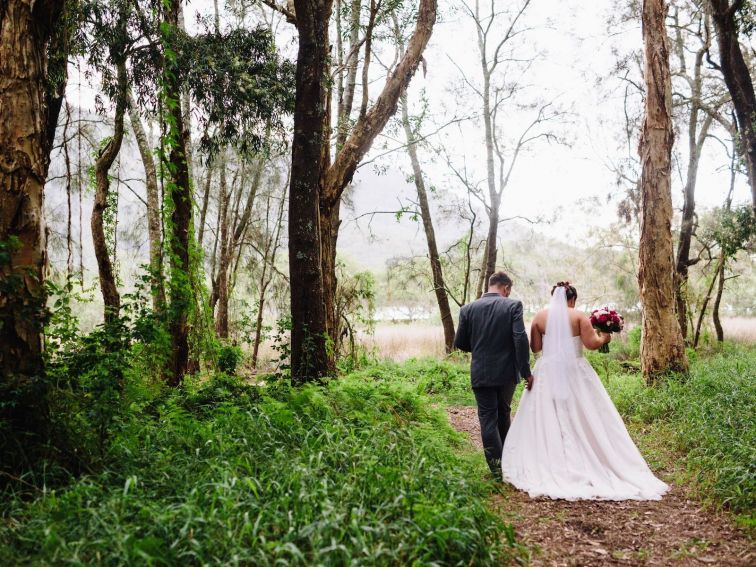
568,288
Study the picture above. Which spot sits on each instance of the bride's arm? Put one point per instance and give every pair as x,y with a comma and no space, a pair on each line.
536,340
591,339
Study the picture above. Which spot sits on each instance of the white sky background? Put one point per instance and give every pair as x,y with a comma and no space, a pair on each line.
550,179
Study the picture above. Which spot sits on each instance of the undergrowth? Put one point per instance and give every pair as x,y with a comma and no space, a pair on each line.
354,472
708,419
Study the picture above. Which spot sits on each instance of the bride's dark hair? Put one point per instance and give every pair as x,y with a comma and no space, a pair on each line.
568,288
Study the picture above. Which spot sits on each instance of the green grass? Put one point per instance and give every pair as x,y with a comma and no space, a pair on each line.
360,471
706,420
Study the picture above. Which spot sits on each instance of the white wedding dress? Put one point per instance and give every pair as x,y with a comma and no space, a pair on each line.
567,439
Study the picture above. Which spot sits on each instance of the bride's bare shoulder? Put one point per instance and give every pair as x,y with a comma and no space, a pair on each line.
539,319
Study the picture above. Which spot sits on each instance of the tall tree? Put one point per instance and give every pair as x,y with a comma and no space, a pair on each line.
412,139
105,158
179,194
313,236
498,52
439,287
698,125
370,122
26,132
662,348
154,225
737,77
309,356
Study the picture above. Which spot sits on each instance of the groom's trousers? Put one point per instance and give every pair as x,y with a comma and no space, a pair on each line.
494,407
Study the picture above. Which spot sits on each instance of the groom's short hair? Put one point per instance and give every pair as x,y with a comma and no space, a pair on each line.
499,279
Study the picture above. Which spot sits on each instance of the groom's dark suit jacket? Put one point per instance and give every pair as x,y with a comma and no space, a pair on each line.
493,330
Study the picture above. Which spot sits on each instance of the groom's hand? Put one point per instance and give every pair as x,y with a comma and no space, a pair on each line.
530,380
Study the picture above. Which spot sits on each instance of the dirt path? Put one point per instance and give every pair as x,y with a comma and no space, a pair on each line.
675,531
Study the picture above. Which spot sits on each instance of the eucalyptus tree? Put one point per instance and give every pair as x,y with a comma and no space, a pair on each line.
318,179
733,19
662,347
242,90
500,52
29,106
110,39
699,93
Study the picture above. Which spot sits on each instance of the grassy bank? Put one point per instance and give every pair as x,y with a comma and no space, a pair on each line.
705,423
357,471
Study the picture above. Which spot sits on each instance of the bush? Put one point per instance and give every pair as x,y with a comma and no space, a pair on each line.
229,357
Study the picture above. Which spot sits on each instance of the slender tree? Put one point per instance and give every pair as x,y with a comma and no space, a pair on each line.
439,286
737,77
662,348
370,122
698,126
179,194
154,225
105,158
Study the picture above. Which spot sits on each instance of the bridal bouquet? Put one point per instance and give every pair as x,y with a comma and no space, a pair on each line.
607,321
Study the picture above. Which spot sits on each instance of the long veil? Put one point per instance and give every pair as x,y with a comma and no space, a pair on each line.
559,355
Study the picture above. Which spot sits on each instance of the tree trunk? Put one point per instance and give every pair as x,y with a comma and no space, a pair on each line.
27,128
231,244
482,281
110,296
309,358
662,349
493,194
738,80
705,303
206,200
718,301
179,193
221,287
153,208
357,144
258,326
346,98
439,287
695,145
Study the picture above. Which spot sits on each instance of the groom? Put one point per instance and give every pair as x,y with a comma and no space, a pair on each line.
492,329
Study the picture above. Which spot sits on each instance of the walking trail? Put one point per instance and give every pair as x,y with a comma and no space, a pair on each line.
674,531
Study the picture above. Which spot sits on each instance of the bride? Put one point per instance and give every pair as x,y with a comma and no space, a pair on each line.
568,440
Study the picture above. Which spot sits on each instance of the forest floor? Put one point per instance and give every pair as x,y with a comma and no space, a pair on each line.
678,530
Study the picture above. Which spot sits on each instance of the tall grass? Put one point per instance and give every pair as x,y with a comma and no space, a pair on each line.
708,419
355,472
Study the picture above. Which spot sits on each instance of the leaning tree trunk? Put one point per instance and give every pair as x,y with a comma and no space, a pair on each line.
439,287
683,261
357,144
179,193
309,357
662,348
27,127
110,296
718,300
153,208
737,77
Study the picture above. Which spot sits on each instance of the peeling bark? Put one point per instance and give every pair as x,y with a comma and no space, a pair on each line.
662,348
26,131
